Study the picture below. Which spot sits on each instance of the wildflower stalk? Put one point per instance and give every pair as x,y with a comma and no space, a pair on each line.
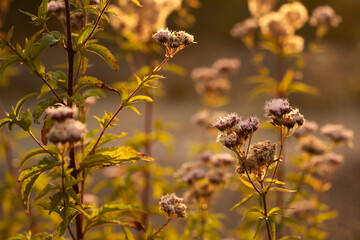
38,142
123,104
162,227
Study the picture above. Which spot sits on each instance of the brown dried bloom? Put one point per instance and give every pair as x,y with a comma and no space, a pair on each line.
313,145
61,113
245,28
67,131
260,7
292,44
173,41
324,16
204,74
227,65
295,13
141,22
307,128
189,174
276,108
222,159
227,122
171,204
275,25
338,134
229,140
56,7
217,177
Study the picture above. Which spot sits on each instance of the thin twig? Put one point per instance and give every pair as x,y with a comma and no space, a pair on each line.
35,71
163,226
37,141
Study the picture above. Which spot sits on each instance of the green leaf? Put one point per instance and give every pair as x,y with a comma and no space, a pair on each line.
10,33
29,176
134,109
274,181
252,210
43,9
105,54
60,230
302,87
38,151
55,200
152,78
137,3
112,156
29,236
278,189
40,108
271,222
290,237
85,33
128,234
105,139
21,102
243,201
4,121
140,98
49,187
286,81
258,225
9,60
246,183
25,120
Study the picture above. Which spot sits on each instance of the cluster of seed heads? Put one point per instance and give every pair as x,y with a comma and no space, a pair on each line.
173,39
171,204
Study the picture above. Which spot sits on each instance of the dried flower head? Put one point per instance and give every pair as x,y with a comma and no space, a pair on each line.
173,41
227,122
277,107
61,113
205,157
189,176
202,119
204,74
334,159
260,7
250,124
275,25
245,28
324,16
227,65
217,177
67,131
313,145
338,134
77,21
222,159
229,140
307,128
171,204
292,44
295,13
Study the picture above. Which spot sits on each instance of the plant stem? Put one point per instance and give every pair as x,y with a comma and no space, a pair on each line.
266,215
162,227
203,210
38,143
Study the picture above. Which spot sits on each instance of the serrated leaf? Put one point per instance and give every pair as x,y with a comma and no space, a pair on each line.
105,54
243,201
29,176
38,151
105,139
106,119
112,156
45,190
21,102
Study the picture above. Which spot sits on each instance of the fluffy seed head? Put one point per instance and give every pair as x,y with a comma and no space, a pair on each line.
61,113
274,25
324,16
307,128
293,44
313,145
245,28
67,131
203,74
295,13
227,65
338,134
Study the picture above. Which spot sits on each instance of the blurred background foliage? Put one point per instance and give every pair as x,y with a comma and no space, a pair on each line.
334,71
